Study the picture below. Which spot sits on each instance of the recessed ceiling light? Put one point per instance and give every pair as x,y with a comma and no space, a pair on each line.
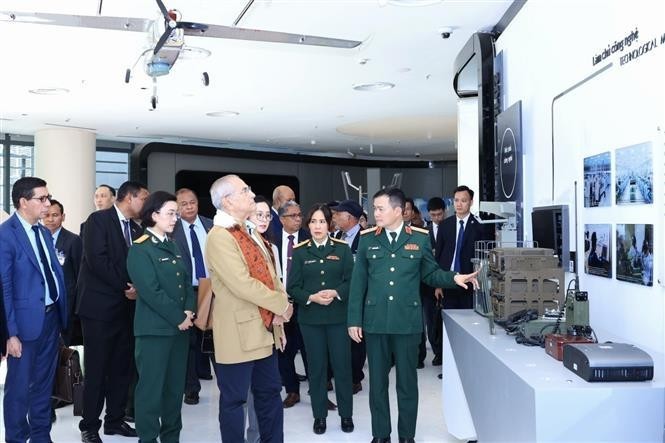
378,86
49,91
223,114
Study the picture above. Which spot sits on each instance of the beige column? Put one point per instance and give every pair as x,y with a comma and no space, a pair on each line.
65,158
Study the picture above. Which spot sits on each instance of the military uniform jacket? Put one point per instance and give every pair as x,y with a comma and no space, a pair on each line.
163,286
385,287
312,270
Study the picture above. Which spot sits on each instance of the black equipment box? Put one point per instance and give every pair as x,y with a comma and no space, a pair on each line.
608,362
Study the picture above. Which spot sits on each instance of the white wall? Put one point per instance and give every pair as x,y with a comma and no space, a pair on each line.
547,49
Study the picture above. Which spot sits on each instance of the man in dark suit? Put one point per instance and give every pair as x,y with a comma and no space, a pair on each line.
35,303
289,236
105,306
68,249
190,235
346,215
280,195
456,247
429,296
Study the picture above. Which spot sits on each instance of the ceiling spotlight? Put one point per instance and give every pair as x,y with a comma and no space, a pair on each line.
223,114
378,86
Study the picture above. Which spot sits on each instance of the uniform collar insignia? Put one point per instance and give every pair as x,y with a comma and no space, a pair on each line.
378,230
407,229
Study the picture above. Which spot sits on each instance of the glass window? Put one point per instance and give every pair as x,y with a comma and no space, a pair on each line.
112,168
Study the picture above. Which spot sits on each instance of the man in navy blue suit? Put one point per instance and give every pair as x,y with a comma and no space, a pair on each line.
35,301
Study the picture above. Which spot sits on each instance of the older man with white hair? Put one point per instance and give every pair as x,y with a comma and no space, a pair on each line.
249,309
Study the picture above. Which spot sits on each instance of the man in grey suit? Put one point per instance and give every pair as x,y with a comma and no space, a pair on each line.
190,236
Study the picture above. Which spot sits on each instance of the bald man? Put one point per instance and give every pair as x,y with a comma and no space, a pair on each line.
280,195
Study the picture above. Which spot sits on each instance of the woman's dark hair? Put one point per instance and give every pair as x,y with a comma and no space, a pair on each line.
323,207
261,199
154,203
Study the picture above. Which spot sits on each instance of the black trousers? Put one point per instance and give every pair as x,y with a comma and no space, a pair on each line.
431,317
107,360
195,359
458,298
358,357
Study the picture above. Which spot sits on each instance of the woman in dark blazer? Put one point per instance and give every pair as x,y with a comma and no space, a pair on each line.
319,281
164,311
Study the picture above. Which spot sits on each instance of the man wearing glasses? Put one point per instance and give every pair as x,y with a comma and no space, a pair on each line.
291,234
35,299
249,307
190,235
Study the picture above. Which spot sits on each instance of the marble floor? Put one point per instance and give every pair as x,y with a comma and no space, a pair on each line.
200,421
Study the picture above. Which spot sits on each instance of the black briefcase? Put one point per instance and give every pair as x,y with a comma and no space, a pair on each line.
67,374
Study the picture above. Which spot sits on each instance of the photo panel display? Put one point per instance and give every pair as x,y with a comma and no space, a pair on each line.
598,181
598,250
634,253
634,175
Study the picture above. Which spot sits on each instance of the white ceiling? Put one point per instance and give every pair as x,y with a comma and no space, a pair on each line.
288,97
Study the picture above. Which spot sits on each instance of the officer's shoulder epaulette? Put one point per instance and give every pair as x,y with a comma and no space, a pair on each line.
368,230
301,244
339,240
142,238
421,230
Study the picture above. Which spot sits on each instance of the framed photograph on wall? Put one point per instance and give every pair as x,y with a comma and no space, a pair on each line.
634,175
598,180
635,254
598,250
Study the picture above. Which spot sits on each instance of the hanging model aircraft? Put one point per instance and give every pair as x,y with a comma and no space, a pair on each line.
167,36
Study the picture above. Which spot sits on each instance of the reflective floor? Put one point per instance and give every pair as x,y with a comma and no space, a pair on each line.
200,421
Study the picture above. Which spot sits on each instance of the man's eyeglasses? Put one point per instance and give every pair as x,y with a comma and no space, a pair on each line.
264,216
43,198
298,215
246,190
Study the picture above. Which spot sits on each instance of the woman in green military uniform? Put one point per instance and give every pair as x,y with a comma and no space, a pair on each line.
319,281
164,311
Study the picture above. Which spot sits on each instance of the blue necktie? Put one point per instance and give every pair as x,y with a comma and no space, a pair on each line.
126,233
458,247
199,265
48,271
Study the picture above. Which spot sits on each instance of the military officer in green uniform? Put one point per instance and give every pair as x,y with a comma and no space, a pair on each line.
319,282
164,312
384,309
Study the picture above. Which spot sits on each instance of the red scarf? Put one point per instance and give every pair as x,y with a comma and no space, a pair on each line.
258,267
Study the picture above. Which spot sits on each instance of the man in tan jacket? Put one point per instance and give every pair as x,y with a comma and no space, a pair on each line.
249,309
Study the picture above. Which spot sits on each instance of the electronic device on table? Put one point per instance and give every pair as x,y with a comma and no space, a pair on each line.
608,362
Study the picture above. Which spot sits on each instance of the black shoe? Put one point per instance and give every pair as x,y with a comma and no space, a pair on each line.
121,428
319,425
192,398
440,376
129,418
421,364
205,377
347,424
357,387
407,440
331,406
301,377
90,437
437,361
381,440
